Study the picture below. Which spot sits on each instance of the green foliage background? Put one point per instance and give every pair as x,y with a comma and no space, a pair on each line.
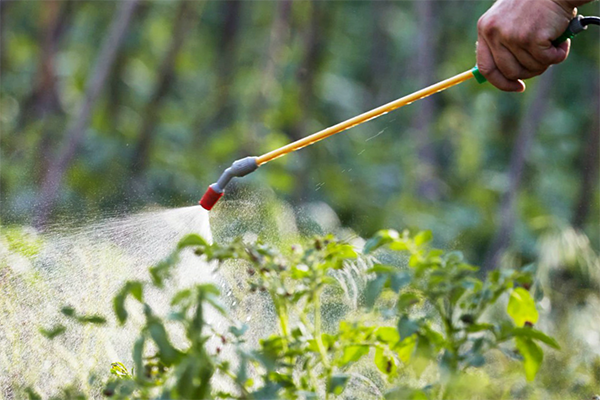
250,76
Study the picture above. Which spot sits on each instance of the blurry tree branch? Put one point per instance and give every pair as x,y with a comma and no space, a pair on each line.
184,21
589,165
532,117
77,127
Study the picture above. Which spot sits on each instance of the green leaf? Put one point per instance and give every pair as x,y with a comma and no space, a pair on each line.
238,332
32,394
406,348
521,307
91,319
353,353
387,334
337,383
531,333
385,363
399,280
166,352
119,370
382,269
405,393
192,240
381,238
53,332
407,327
406,300
68,311
532,356
373,290
138,358
423,237
131,287
399,245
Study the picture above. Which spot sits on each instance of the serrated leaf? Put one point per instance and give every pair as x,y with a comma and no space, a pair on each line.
521,307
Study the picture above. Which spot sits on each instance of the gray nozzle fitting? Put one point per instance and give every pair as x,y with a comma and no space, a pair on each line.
238,169
576,26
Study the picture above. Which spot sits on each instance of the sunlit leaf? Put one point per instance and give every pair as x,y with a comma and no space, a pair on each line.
192,240
353,353
532,356
384,362
423,237
521,307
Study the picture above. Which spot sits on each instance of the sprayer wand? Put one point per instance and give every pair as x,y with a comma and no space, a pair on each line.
249,164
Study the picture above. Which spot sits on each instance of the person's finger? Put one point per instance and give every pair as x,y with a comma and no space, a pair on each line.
550,54
507,63
488,68
528,62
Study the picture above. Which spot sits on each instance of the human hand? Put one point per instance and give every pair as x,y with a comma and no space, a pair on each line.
515,39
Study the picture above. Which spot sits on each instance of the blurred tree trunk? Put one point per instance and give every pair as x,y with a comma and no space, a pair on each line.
589,166
314,44
532,117
44,100
427,185
184,20
380,59
278,37
4,4
78,125
226,62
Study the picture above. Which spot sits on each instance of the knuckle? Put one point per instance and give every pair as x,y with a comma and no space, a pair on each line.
487,25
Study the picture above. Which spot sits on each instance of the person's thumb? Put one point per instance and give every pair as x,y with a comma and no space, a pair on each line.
553,54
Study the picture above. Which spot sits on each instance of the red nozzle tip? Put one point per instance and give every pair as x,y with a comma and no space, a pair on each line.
210,198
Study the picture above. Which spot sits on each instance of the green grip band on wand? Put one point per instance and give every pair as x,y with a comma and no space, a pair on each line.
478,76
575,26
563,38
